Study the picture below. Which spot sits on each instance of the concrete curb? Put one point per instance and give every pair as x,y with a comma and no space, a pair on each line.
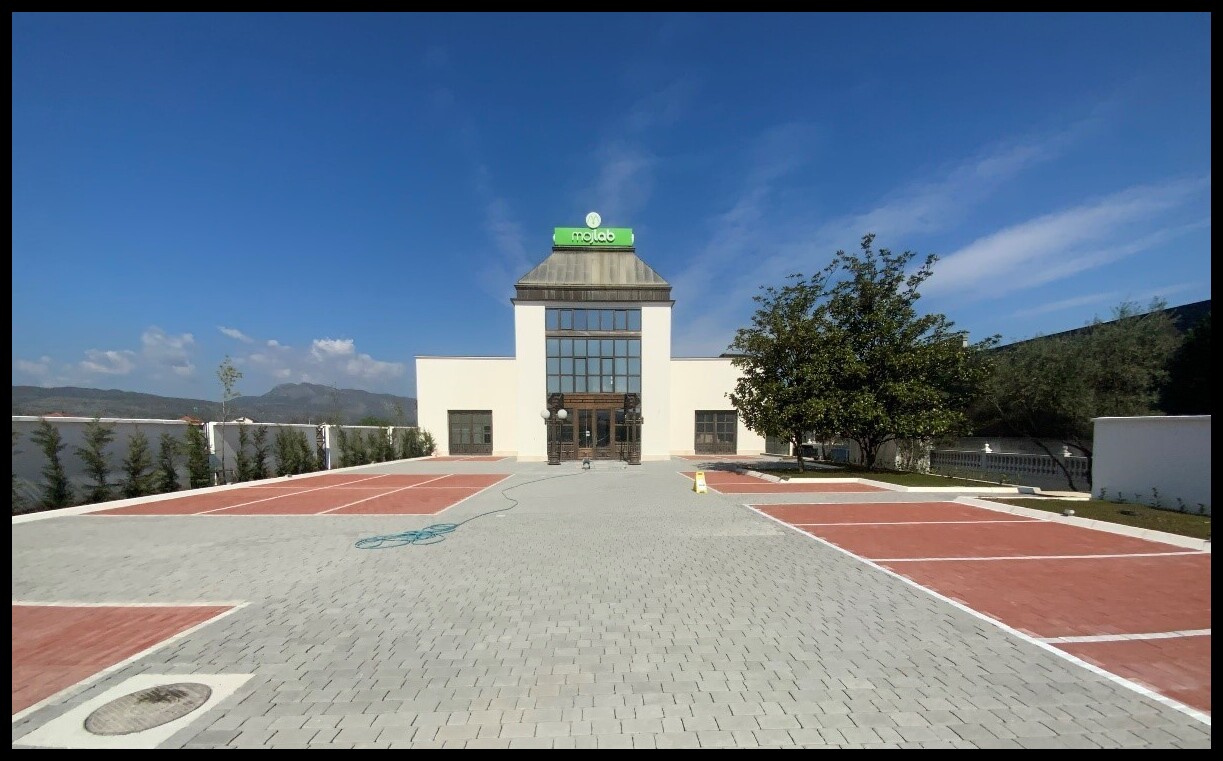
894,487
1152,535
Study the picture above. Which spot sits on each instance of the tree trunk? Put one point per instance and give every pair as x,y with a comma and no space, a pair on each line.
1060,464
798,451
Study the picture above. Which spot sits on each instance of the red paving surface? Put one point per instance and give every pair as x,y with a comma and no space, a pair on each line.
982,540
1177,667
55,647
740,483
395,494
880,512
1080,597
1045,597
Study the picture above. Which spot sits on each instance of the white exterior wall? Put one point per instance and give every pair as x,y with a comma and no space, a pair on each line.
702,384
471,383
28,459
530,348
656,396
1133,455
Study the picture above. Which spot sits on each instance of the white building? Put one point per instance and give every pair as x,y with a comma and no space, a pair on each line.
592,356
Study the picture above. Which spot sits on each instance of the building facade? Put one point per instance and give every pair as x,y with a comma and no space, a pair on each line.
592,376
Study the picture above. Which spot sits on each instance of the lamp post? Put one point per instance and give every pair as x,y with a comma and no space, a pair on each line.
632,419
553,415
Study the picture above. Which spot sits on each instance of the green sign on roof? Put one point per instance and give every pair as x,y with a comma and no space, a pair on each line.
599,236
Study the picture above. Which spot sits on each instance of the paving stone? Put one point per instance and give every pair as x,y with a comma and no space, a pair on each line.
639,615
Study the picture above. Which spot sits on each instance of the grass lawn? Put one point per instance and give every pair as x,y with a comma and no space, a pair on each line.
1173,522
887,476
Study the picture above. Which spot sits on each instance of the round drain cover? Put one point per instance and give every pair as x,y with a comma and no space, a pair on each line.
147,708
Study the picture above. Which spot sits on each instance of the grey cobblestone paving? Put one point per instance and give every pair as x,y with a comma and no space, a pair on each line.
612,608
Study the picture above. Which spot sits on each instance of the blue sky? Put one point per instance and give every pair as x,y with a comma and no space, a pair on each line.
325,197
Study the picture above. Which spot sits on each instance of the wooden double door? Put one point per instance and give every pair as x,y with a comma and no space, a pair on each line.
596,427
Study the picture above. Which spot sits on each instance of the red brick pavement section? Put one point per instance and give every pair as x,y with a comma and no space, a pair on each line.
883,512
55,647
974,540
424,501
1177,667
1088,596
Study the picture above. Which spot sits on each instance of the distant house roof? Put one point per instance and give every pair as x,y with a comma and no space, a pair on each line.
1184,317
191,420
593,274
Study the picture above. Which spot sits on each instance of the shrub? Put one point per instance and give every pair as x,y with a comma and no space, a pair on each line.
245,467
167,467
259,462
427,444
137,467
410,445
56,491
285,452
97,460
199,467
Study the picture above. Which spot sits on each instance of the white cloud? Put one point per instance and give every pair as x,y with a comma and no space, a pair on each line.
626,178
328,348
38,369
706,324
108,362
274,344
236,334
1113,298
167,351
365,367
1057,245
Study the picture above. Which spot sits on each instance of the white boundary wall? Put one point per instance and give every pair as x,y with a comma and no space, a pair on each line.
28,459
1135,455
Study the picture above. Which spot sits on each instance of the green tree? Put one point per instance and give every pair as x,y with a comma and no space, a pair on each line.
1052,387
311,451
56,491
381,422
98,437
409,444
18,502
245,465
199,467
358,452
342,447
137,467
286,452
260,451
167,466
427,444
787,360
1188,390
229,376
900,375
846,353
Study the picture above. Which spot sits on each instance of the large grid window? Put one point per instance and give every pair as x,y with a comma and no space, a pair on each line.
715,432
594,365
593,320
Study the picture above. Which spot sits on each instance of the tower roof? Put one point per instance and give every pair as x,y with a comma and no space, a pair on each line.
592,274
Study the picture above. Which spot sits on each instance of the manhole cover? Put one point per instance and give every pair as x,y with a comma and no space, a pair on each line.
147,708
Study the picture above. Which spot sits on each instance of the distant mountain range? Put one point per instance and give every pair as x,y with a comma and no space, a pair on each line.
286,403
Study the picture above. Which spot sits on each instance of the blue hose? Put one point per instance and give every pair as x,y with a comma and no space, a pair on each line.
438,531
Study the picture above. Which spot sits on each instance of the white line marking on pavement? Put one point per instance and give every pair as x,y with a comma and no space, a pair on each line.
916,523
376,496
1136,687
283,496
1126,637
1038,557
